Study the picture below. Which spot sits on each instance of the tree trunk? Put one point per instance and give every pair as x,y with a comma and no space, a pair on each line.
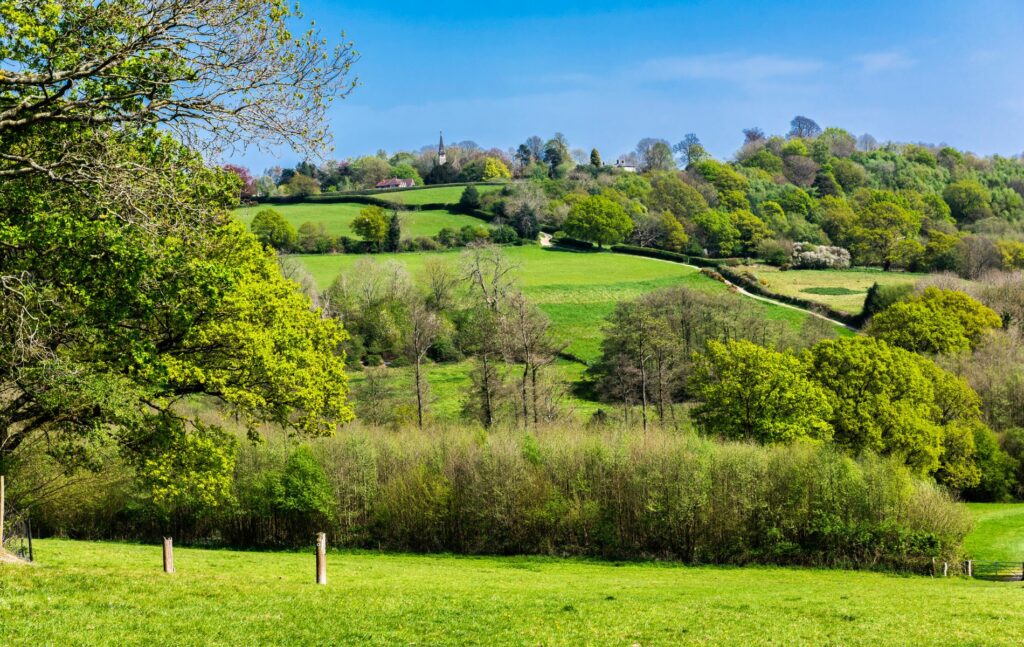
419,394
533,378
3,495
643,391
486,383
526,401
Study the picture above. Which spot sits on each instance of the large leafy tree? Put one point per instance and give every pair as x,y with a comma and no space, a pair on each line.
598,219
754,393
125,289
936,321
891,401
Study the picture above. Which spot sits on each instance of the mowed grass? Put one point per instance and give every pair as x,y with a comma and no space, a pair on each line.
843,290
115,594
337,218
998,534
432,195
577,290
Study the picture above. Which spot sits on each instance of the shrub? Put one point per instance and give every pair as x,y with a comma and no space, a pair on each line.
820,257
597,492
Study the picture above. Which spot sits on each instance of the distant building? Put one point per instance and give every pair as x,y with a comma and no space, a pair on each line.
626,164
442,157
395,183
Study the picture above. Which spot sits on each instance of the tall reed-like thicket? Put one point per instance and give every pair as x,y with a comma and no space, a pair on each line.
607,494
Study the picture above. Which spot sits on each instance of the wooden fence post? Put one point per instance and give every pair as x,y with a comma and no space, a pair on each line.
970,568
168,555
321,558
945,569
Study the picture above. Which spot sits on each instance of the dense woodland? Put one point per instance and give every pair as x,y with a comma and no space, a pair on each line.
789,200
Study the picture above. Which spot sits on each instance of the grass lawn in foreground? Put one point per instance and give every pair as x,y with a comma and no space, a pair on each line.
843,290
115,594
433,195
576,289
337,218
998,534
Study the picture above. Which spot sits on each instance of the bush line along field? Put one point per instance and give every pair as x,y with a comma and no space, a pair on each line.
337,218
115,594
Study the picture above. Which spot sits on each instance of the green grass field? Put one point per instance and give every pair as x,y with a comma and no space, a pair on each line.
337,218
998,533
83,593
843,290
432,195
577,290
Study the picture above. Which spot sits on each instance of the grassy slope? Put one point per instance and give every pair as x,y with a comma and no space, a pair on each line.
794,282
998,532
114,594
577,290
338,217
433,195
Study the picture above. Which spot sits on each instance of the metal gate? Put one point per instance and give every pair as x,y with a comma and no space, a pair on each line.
998,571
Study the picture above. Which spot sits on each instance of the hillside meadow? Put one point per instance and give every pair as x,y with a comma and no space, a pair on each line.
998,533
578,290
843,290
115,594
337,218
433,195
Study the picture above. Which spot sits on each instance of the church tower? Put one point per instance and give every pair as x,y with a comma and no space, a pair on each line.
442,157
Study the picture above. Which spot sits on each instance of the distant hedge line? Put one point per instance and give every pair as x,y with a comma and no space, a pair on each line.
601,493
664,254
370,197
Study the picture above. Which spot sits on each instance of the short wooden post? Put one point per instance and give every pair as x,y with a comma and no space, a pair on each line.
168,555
945,569
321,558
970,568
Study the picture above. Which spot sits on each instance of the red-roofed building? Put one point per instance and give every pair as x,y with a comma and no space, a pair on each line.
395,183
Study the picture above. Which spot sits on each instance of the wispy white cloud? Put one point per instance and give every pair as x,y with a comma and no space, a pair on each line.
726,67
876,62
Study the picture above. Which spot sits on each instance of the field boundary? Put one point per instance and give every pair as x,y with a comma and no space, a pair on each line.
751,289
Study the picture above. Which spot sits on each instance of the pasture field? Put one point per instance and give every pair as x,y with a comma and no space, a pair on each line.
998,534
576,289
432,195
449,383
843,290
83,593
337,218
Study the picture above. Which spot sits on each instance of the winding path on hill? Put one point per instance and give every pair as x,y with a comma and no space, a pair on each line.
756,297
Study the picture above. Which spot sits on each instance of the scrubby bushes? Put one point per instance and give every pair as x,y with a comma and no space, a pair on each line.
819,257
566,492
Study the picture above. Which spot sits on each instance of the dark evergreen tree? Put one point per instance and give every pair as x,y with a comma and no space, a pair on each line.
394,238
470,200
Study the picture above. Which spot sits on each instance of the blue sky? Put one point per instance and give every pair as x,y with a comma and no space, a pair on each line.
609,73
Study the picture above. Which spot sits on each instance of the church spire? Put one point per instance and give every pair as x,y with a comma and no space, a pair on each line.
442,157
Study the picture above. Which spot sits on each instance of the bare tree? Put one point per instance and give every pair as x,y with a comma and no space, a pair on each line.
526,338
442,279
490,274
216,73
425,326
